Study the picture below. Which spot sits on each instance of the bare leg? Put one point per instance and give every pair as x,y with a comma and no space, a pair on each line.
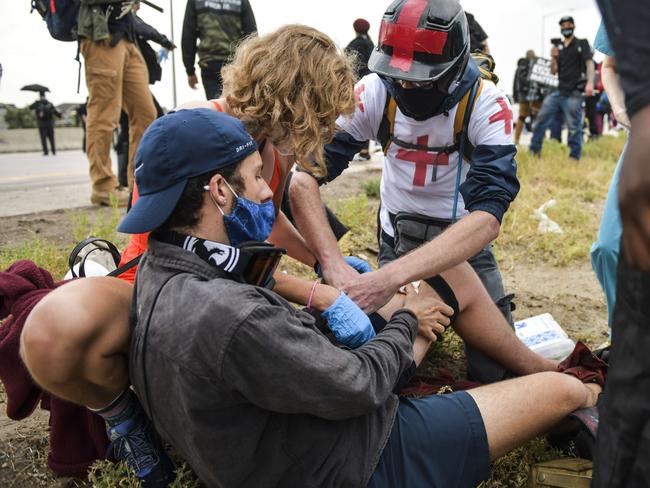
517,410
76,341
482,325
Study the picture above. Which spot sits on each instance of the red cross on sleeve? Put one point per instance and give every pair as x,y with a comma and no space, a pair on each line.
505,115
357,97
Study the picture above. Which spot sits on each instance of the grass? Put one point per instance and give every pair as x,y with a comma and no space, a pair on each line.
53,257
371,188
578,188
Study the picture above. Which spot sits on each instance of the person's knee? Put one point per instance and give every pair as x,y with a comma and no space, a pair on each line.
570,392
47,348
61,332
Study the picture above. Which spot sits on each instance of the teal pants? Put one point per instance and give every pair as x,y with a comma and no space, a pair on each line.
605,251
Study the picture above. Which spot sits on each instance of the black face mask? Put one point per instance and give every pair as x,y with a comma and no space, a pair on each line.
567,32
419,103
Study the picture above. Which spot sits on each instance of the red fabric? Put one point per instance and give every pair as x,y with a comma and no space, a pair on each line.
584,365
421,386
77,436
362,26
137,245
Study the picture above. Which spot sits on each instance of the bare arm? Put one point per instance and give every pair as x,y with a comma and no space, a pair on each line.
309,214
589,87
285,235
634,193
614,91
457,244
297,290
554,54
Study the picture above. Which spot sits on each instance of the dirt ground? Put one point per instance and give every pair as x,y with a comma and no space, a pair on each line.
571,294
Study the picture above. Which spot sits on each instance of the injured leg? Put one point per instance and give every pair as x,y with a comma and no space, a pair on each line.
481,324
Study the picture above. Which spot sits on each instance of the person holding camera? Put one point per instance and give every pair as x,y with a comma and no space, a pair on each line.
571,60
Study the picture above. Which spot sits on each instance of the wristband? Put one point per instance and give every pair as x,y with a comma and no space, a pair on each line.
311,293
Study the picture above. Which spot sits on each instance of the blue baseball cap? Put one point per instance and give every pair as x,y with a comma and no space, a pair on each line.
174,149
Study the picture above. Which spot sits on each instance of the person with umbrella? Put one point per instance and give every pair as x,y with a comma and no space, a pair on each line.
45,113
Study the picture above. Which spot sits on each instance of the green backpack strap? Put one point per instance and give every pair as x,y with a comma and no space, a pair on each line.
387,125
461,139
462,119
486,65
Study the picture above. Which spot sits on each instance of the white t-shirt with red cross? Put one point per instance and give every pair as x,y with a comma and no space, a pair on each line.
416,181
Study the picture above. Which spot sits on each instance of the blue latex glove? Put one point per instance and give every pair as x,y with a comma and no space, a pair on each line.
348,323
359,265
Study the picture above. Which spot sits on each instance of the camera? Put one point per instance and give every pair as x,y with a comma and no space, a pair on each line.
557,42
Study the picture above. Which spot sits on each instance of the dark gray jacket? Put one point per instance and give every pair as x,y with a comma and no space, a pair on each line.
246,387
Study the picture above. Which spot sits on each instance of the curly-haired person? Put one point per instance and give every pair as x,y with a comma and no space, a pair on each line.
288,88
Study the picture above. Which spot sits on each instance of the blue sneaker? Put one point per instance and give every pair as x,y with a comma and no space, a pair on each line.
135,442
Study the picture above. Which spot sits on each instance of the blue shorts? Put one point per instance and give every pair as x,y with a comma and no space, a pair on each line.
436,441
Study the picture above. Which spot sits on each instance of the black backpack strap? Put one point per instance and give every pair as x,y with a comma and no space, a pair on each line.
387,125
126,266
78,60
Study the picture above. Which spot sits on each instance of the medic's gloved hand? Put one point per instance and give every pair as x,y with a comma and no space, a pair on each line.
348,323
359,265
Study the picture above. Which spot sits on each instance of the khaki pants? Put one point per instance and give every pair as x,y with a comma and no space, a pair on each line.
117,79
526,109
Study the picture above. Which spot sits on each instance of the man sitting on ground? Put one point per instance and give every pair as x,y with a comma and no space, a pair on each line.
247,388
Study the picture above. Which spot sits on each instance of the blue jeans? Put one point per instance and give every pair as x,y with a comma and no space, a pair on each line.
604,252
571,108
556,127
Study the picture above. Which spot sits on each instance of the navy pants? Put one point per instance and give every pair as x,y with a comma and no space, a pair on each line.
211,78
46,131
437,441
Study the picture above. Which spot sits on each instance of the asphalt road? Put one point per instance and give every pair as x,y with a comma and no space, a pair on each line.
31,182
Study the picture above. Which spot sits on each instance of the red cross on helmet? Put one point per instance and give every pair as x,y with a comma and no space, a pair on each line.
422,40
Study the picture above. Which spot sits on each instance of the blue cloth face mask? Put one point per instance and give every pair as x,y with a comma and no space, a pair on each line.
248,221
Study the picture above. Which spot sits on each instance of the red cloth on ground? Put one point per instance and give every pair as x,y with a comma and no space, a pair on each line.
77,436
584,365
421,386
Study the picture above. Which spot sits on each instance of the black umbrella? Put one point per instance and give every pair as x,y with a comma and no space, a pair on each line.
35,88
